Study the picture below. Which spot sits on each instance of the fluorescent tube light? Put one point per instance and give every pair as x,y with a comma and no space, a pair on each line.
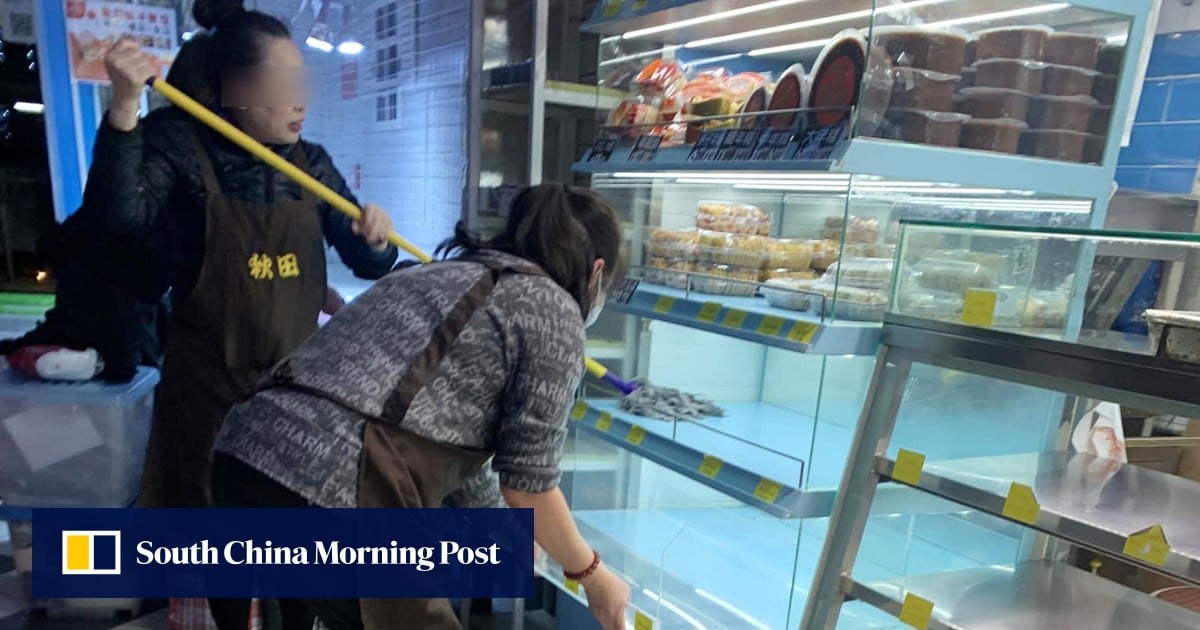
634,57
29,108
816,43
1001,15
829,19
712,17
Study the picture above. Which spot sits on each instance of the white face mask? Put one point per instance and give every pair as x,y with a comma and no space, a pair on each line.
597,302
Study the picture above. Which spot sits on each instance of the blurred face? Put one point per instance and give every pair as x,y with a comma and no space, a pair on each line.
269,101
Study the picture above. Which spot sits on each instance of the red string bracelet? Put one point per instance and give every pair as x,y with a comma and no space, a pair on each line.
586,572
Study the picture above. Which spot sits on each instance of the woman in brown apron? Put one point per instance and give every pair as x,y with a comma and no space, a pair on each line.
246,252
404,397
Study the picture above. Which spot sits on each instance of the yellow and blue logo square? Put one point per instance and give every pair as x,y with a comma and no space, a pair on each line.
91,553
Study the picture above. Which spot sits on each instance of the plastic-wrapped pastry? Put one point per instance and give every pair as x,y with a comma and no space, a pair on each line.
853,303
955,276
931,305
824,253
789,274
667,272
869,250
1044,309
733,249
788,254
681,244
858,229
868,273
788,293
733,218
725,280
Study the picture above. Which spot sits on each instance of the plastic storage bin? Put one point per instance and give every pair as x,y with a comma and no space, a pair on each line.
1012,42
73,445
1066,146
926,127
1072,49
1068,80
1070,113
924,48
983,102
914,88
1002,135
1011,74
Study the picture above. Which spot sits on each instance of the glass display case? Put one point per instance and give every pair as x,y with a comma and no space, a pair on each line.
990,434
764,159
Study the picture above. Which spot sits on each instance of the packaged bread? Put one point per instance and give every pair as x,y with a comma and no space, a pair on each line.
858,229
679,244
733,218
869,250
789,274
824,253
868,273
733,249
853,303
954,276
673,273
725,280
790,294
788,254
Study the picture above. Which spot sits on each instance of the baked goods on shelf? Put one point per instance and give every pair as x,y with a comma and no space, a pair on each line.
868,273
733,218
955,276
824,253
788,293
683,244
733,249
789,274
1043,309
788,254
725,280
673,273
852,303
858,229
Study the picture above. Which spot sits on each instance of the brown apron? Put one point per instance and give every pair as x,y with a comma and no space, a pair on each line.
258,295
399,469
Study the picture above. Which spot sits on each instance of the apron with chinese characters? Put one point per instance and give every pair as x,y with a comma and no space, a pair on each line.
399,469
258,296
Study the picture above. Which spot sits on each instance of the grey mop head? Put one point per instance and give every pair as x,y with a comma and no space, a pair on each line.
664,403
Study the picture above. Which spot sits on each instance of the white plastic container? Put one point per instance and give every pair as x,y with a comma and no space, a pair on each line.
73,445
788,294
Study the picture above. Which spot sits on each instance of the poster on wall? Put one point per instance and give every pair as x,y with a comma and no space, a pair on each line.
93,26
16,22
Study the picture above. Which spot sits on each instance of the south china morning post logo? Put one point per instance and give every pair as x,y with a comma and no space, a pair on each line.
91,553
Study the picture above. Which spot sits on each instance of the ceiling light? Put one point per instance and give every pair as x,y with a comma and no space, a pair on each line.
1000,15
350,47
712,17
29,108
318,38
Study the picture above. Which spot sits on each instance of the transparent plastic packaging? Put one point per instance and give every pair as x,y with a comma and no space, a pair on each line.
953,276
788,293
914,88
866,273
1002,135
1021,75
733,249
1043,309
725,280
1065,146
984,102
869,250
1012,42
1069,113
926,127
968,76
852,303
924,48
932,305
733,218
858,229
673,273
1068,80
825,252
789,274
675,244
788,254
1072,49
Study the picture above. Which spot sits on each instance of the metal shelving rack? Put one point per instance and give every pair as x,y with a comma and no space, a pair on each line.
1146,517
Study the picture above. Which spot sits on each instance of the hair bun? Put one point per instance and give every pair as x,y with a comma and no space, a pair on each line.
212,13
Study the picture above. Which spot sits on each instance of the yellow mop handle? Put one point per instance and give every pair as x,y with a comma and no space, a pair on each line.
235,135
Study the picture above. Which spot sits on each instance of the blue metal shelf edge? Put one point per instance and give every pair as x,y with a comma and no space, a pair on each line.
790,330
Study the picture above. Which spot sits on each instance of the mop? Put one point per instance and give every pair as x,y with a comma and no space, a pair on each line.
638,398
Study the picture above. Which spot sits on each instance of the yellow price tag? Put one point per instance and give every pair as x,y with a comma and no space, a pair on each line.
641,621
664,305
604,422
802,332
1150,546
638,5
614,7
916,612
771,326
908,468
1021,505
711,466
708,312
572,586
979,307
767,490
735,319
636,435
579,411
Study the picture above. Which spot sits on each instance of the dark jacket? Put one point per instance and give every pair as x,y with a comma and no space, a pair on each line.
148,180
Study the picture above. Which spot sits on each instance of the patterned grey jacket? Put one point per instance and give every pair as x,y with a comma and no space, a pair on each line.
505,385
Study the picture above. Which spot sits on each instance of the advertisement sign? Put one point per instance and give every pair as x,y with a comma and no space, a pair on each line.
94,26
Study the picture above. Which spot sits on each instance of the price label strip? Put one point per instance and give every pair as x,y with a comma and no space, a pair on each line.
916,612
803,332
1149,546
642,621
708,313
711,466
735,319
664,305
579,411
645,149
707,147
604,422
572,586
1021,505
738,144
979,308
602,150
636,435
908,468
613,8
771,326
773,145
767,490
819,143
